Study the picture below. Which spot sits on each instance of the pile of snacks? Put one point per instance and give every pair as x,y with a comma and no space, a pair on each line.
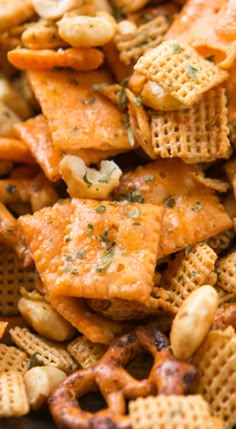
118,211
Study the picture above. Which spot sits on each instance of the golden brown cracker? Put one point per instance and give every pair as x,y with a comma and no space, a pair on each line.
87,120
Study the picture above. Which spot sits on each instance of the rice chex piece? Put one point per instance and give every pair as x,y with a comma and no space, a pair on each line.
180,71
190,270
198,134
12,358
221,241
12,277
13,397
85,352
149,35
226,269
216,363
172,412
47,352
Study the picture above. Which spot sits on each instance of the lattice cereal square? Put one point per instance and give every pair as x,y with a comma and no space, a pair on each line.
198,134
118,258
226,269
47,352
149,35
178,69
85,352
172,412
215,361
13,397
11,358
190,270
12,277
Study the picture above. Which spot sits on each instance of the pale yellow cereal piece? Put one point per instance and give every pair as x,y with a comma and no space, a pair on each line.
85,352
215,361
172,412
12,276
198,134
190,270
13,397
13,359
47,352
178,69
132,45
226,269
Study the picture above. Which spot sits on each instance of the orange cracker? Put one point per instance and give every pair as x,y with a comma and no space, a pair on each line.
182,72
95,327
13,13
217,19
84,119
81,59
12,149
193,211
42,34
119,257
34,132
198,134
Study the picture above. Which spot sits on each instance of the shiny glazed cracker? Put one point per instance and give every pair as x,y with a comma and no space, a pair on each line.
198,134
95,122
35,133
178,69
193,211
118,257
79,59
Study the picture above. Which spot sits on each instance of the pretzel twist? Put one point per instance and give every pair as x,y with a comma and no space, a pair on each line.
167,376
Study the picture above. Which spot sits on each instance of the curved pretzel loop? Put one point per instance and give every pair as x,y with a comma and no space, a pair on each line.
167,376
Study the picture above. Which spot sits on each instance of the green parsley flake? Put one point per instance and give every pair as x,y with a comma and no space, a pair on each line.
90,228
187,250
198,205
68,258
210,58
75,82
90,101
132,196
148,178
75,271
106,178
192,71
177,48
80,255
98,86
133,213
107,259
138,100
75,129
86,180
34,361
169,202
100,209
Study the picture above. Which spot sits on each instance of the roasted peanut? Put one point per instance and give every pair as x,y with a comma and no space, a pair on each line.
55,9
193,321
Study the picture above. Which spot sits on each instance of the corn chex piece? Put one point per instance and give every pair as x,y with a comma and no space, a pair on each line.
198,134
225,297
12,277
221,241
85,352
47,352
132,45
13,397
190,270
12,358
174,412
226,269
215,361
180,71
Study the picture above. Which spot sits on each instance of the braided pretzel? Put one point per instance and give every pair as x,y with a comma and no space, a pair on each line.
167,376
